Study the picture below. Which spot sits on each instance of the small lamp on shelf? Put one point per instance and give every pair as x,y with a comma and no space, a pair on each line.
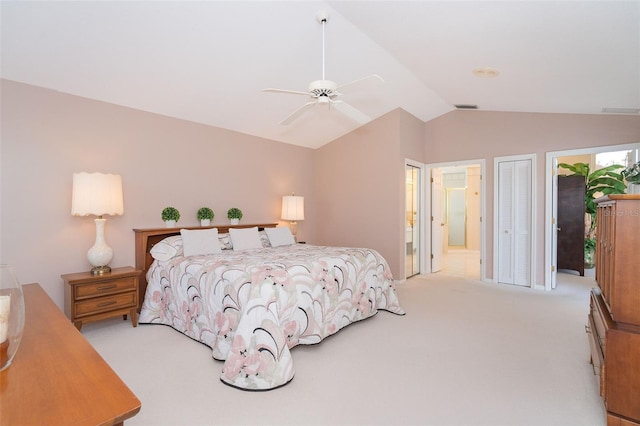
97,194
293,211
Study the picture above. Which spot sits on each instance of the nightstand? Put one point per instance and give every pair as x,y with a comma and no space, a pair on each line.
90,297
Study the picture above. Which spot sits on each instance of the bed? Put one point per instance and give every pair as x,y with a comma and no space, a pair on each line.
251,305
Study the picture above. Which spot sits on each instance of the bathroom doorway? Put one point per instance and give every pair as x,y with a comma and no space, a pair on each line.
456,219
413,177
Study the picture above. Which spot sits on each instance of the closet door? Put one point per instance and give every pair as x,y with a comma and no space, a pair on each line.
514,222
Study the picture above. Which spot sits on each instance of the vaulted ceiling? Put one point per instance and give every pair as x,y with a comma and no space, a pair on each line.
208,61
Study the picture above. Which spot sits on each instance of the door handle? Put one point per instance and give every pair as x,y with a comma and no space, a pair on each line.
559,229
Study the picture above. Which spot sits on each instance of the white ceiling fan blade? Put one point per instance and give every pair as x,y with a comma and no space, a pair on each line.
325,91
369,79
351,112
291,92
297,113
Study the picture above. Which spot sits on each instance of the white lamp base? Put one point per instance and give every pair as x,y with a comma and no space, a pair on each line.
100,254
293,226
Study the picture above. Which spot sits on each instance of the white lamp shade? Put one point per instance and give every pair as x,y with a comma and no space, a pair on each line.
292,207
96,194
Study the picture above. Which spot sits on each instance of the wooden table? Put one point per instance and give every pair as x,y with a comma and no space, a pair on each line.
56,377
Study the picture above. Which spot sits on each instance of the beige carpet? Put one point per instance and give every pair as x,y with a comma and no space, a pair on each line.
466,353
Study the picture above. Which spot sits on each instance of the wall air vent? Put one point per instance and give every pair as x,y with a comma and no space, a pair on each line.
465,106
621,110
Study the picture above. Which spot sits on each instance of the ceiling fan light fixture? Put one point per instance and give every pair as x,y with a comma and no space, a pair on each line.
485,72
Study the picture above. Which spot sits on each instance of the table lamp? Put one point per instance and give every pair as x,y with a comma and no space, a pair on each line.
293,210
97,194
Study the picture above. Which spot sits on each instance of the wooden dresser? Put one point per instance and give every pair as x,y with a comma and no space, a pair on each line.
57,377
614,319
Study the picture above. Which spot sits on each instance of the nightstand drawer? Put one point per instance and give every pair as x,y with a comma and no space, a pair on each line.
105,304
105,287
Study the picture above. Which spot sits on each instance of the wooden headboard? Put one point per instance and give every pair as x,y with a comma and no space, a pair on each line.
148,237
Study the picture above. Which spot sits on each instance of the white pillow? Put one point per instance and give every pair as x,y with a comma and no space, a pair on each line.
200,241
168,248
245,238
280,236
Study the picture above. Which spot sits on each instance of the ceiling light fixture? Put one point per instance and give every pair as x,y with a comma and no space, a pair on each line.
485,72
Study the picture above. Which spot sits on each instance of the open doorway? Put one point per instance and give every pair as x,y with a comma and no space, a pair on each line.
413,187
596,157
456,229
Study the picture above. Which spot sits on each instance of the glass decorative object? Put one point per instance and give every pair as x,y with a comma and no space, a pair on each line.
11,315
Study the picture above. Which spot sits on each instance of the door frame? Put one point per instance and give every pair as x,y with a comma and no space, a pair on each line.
496,231
420,215
426,268
551,197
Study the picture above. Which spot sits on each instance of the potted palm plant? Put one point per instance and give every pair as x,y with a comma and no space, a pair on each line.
205,216
234,214
170,215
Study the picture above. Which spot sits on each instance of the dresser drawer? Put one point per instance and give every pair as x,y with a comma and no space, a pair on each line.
613,420
105,304
622,377
105,287
597,353
601,320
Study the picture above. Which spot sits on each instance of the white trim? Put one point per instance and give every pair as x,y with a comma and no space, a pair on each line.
483,211
496,236
550,195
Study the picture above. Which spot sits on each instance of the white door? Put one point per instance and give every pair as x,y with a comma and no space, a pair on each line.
437,220
514,222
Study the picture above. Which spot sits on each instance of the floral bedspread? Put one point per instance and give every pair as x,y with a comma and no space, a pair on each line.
252,306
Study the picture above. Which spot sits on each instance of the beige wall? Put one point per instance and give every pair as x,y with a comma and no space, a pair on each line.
46,136
465,135
353,186
360,186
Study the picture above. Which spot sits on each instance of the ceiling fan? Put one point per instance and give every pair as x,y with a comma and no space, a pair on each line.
326,92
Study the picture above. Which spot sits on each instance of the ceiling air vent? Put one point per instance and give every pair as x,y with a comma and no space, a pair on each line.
465,106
